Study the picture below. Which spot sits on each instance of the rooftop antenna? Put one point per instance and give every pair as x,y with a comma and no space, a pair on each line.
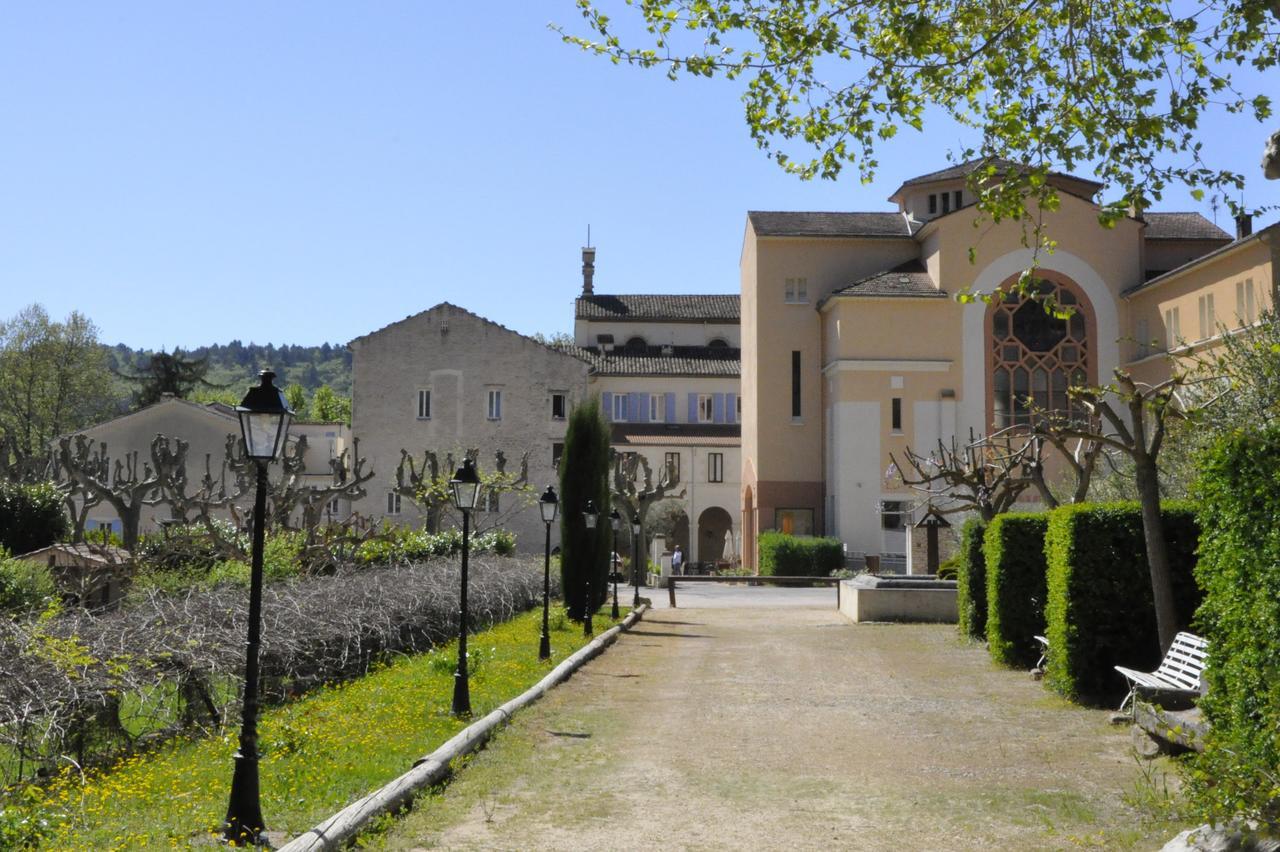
588,235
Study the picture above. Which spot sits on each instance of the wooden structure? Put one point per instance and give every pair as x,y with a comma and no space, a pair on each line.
93,576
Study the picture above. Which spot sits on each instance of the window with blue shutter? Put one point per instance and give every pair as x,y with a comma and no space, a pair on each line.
606,402
638,407
693,408
717,408
671,408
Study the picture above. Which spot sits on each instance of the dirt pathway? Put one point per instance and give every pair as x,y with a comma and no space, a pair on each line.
792,728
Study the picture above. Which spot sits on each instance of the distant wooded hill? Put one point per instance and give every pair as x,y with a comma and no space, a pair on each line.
235,365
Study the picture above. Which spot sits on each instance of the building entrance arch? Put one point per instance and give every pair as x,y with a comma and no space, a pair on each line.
715,535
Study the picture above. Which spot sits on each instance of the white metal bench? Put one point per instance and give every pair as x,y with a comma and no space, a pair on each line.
1180,672
1044,651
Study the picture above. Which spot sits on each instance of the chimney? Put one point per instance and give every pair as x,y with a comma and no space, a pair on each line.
1244,225
588,269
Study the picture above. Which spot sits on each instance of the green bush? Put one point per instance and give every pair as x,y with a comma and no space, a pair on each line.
1100,612
1239,570
1013,548
950,569
783,555
402,545
971,580
31,516
24,586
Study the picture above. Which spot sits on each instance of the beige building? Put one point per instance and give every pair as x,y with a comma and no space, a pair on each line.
205,428
855,347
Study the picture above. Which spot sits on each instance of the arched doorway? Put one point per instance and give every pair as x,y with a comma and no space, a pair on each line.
715,535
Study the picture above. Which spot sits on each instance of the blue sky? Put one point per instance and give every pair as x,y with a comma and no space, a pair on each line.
306,172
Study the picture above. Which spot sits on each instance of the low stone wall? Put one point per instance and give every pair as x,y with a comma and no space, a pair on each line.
868,598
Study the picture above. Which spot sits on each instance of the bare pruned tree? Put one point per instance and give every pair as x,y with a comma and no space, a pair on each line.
987,475
634,488
133,483
427,485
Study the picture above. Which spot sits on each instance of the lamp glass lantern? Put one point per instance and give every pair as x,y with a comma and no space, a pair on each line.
615,520
635,524
465,486
264,419
549,505
590,515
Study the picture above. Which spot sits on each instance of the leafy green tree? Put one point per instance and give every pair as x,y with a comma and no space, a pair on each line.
1048,84
328,407
53,380
168,373
584,475
296,397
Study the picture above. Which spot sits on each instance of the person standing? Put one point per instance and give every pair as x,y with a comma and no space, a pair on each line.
677,562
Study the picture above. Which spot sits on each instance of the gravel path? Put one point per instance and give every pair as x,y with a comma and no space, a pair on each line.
792,728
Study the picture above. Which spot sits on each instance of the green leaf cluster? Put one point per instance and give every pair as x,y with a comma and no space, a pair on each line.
1100,612
1239,570
1013,549
783,555
971,580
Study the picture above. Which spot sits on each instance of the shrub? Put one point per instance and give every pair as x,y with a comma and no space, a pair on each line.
971,580
1099,612
31,516
584,475
1013,548
950,569
24,586
1239,570
190,547
785,555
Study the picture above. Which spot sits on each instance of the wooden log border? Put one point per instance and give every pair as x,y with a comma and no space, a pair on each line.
340,828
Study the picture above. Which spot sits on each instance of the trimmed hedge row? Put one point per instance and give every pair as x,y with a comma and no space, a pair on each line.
1239,570
783,555
31,517
1013,547
971,581
1100,612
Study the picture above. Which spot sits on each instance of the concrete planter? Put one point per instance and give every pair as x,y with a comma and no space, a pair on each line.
868,598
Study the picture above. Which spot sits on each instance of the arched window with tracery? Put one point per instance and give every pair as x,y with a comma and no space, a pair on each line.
1036,355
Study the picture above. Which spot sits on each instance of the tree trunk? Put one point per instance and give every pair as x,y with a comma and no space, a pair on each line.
1148,484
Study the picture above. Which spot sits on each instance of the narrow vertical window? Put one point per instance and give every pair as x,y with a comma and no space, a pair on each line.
958,195
706,408
424,405
657,408
715,467
933,204
673,467
946,202
558,406
795,383
619,408
393,503
557,450
495,405
737,409
1250,315
896,414
789,290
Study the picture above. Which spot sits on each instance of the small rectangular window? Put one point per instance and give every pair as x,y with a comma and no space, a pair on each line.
495,404
737,409
796,291
715,467
896,418
619,407
795,383
1207,322
958,196
393,503
424,405
657,408
1172,331
1244,302
946,203
489,501
706,408
559,406
933,204
673,466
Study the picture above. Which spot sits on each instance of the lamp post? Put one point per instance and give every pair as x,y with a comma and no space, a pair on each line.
589,517
637,549
615,521
465,486
548,504
264,424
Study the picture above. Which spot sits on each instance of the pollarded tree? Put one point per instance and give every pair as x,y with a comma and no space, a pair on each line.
584,475
634,490
126,484
502,492
1049,84
986,475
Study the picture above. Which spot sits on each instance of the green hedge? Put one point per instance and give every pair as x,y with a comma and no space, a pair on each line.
31,517
1239,570
971,581
1100,612
1013,547
783,555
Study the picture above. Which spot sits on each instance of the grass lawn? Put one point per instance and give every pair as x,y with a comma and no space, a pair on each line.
319,753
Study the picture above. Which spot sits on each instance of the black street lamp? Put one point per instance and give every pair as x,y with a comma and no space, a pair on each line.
549,504
466,488
264,424
615,521
589,516
637,549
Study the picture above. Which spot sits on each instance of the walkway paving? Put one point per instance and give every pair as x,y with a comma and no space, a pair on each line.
789,727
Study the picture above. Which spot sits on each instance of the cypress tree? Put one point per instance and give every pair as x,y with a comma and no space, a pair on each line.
584,475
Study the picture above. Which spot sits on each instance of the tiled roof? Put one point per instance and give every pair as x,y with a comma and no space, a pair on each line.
960,170
909,280
676,434
693,361
1182,226
1204,258
787,224
707,308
